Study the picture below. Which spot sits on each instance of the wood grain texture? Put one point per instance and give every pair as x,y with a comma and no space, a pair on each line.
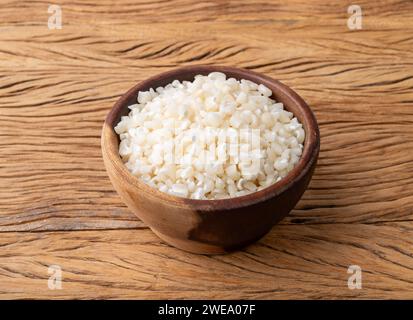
359,205
290,262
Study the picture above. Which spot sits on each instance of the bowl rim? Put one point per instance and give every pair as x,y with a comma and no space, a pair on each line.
109,143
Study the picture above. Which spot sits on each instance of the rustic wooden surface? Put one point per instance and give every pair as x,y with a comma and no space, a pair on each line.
57,205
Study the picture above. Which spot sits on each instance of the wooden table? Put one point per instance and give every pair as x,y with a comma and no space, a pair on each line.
57,206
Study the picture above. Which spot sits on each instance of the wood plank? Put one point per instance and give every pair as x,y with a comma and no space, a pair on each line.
65,82
288,13
290,262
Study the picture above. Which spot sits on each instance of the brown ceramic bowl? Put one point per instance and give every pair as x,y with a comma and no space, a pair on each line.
211,226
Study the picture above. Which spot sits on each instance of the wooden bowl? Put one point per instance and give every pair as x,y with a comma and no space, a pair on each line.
211,226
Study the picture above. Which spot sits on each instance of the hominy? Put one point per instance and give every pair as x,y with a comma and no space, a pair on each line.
211,138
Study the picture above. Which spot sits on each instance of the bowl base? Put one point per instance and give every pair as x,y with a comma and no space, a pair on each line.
203,248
